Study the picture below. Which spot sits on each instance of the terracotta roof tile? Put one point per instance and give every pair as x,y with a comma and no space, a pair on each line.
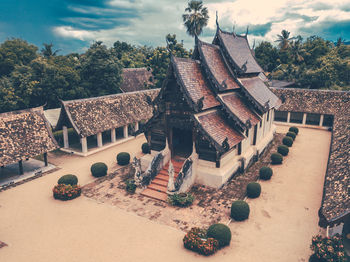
136,79
194,82
217,128
24,134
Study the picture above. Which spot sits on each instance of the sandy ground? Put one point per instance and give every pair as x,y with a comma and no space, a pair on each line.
38,228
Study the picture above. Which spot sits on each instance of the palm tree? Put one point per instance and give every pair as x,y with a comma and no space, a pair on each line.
297,51
47,51
196,17
284,39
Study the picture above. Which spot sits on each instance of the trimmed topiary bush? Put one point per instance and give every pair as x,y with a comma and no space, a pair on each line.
145,148
283,150
292,135
294,129
221,233
287,141
276,158
265,173
99,169
68,180
253,190
240,210
123,158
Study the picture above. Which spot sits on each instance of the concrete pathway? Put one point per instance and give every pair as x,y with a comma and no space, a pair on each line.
38,228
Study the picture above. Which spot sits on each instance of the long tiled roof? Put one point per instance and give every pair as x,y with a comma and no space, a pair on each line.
239,52
234,103
93,115
24,134
217,128
336,194
136,79
221,75
257,89
193,82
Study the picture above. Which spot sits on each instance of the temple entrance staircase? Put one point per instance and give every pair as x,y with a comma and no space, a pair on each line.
157,189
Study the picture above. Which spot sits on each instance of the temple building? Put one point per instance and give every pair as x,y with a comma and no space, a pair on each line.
214,111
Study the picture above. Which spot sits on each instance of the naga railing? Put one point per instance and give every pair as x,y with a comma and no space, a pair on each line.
153,169
184,175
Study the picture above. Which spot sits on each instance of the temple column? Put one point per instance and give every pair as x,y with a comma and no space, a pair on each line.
65,137
304,118
321,120
125,131
45,159
84,147
136,126
99,140
113,139
288,117
20,165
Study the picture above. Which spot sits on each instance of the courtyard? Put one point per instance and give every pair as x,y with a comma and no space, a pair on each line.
100,228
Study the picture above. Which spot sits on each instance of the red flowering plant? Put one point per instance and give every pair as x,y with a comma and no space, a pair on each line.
196,240
66,192
328,249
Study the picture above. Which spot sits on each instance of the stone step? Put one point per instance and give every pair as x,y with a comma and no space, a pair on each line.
157,187
155,194
162,177
160,182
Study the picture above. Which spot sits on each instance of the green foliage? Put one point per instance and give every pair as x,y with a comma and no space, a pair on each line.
265,173
291,134
221,233
276,158
253,190
267,56
195,18
287,141
99,169
123,158
68,180
130,186
283,150
145,148
294,130
240,210
181,199
73,137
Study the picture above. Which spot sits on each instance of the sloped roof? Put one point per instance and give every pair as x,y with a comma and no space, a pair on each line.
24,134
136,79
235,105
217,128
191,79
94,115
238,50
336,192
221,76
257,89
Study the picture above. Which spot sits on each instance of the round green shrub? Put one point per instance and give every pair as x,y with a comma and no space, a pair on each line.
292,135
265,173
253,190
123,158
221,233
287,141
130,186
145,148
240,210
68,180
283,150
99,169
276,158
294,129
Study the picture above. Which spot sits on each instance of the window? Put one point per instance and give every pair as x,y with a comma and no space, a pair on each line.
327,120
281,116
313,119
268,116
247,132
296,117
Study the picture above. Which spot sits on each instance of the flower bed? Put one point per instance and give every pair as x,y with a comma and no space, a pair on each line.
196,241
66,192
328,248
181,200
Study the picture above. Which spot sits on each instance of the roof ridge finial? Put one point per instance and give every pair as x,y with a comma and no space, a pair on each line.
246,33
217,19
233,28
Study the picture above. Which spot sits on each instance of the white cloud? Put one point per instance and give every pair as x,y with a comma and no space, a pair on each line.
70,32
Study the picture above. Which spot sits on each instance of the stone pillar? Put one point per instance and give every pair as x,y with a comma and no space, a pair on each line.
113,139
125,131
288,117
136,126
84,147
99,140
304,118
20,165
321,120
45,159
65,137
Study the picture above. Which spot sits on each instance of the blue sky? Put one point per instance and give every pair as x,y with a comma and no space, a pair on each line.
72,25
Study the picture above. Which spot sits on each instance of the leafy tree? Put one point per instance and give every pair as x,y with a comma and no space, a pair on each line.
196,17
267,56
284,39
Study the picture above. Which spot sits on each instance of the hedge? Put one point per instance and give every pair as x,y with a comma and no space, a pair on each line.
287,141
265,173
68,180
283,150
276,158
294,129
221,233
123,158
292,135
99,169
240,210
145,148
253,190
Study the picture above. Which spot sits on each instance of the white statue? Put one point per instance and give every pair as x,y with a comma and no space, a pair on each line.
137,176
171,172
